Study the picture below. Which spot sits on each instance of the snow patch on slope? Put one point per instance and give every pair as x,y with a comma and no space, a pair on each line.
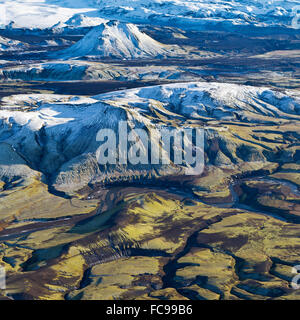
11,45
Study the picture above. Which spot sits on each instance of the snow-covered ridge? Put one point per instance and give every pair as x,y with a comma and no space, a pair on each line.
79,21
11,45
211,100
117,40
200,12
57,134
187,13
190,100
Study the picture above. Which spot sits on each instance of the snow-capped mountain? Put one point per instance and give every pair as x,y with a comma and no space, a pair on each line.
184,14
117,40
57,134
79,21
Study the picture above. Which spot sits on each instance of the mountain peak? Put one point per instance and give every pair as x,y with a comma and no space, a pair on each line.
114,39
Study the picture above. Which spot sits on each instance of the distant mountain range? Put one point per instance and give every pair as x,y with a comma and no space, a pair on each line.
183,14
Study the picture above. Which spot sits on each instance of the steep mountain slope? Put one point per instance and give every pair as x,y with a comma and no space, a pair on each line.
117,40
59,138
